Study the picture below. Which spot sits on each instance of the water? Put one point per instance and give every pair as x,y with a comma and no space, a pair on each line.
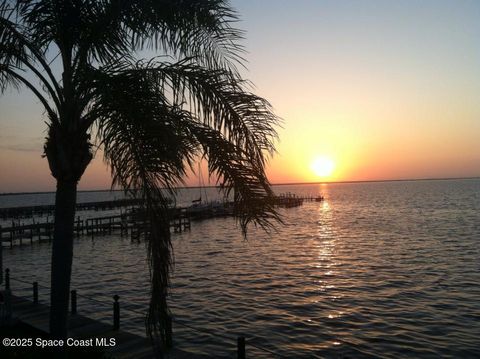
387,270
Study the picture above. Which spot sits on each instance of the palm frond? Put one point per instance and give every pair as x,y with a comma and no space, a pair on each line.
128,108
147,147
218,98
18,51
202,29
149,139
237,171
190,28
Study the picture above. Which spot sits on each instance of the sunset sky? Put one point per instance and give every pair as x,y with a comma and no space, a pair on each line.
381,89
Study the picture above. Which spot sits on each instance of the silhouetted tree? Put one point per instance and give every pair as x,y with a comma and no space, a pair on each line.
151,118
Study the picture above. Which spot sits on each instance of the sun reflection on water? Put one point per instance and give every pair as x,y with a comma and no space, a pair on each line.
327,264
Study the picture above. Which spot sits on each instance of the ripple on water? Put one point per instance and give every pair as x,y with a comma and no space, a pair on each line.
386,270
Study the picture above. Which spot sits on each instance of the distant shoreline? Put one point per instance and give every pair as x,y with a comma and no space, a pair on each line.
375,181
273,184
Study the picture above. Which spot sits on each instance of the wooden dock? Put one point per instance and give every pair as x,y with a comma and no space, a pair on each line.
130,222
29,211
18,232
127,345
289,200
126,223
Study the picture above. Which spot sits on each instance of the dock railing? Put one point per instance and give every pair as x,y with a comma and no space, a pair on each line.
242,342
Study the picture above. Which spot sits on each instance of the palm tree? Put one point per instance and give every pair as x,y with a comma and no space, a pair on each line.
152,118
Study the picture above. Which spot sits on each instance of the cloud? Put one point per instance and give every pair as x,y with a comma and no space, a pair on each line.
32,144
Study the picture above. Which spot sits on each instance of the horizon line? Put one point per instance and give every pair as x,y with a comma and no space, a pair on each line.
276,184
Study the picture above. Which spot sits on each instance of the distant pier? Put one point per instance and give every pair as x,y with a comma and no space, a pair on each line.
126,224
289,200
43,210
130,222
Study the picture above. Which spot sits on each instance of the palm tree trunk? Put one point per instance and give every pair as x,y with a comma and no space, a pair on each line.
62,255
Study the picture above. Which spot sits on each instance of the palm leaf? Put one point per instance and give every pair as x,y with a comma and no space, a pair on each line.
149,140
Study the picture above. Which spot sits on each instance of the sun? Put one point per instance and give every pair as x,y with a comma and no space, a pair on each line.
323,166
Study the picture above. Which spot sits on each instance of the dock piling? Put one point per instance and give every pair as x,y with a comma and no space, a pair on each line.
73,301
241,348
35,292
1,255
7,279
168,332
116,313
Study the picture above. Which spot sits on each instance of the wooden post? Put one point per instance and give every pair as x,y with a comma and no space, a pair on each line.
50,231
7,279
73,301
168,332
19,233
1,255
11,238
241,347
123,224
35,292
116,313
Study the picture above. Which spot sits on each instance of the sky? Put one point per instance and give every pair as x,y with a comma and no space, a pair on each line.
378,90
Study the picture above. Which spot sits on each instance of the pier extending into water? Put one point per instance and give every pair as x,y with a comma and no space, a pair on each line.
126,224
48,210
130,222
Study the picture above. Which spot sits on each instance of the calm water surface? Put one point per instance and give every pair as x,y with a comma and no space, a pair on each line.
387,270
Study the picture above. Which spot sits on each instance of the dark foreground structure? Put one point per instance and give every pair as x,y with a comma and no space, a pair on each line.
85,335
